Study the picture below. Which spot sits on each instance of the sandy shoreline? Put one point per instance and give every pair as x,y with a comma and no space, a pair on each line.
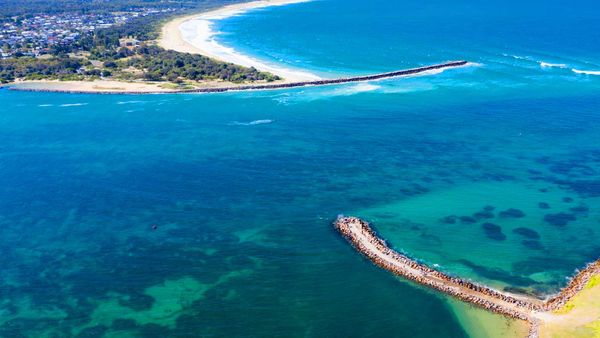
98,86
112,86
193,34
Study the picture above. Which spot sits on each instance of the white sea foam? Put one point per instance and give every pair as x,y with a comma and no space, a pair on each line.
587,72
348,90
439,70
73,104
252,123
45,105
129,102
425,73
551,65
541,63
474,64
429,72
410,88
387,86
518,57
199,33
323,93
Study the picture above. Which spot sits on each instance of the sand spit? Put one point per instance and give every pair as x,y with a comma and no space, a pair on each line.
532,310
260,86
98,86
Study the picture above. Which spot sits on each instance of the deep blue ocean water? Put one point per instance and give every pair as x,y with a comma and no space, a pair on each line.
242,188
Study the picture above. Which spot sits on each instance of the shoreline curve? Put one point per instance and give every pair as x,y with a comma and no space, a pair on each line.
194,34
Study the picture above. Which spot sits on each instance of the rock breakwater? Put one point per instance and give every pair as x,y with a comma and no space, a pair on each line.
360,234
364,239
576,284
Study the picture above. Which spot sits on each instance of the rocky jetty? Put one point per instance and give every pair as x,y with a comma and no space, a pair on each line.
576,284
366,241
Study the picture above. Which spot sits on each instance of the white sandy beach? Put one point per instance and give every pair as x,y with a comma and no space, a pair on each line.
111,86
194,34
98,86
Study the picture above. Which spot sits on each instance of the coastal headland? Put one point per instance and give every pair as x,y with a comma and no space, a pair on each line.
546,317
245,87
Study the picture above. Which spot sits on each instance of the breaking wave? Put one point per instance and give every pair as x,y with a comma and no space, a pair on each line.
353,89
73,104
586,72
252,123
517,57
129,102
551,65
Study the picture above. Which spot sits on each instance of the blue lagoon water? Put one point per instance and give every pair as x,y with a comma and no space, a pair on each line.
210,215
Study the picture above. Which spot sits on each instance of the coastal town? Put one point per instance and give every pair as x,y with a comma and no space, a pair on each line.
42,34
107,47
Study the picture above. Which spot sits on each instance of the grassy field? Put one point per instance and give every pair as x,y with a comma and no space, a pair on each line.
580,317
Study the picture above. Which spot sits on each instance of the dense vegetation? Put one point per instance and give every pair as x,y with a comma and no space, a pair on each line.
150,63
33,69
139,61
159,65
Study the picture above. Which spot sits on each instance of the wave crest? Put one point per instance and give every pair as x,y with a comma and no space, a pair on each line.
552,65
73,104
586,72
251,123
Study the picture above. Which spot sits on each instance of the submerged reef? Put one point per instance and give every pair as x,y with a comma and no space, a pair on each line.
512,213
560,219
493,231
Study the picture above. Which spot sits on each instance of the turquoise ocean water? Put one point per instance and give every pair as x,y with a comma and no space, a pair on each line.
490,172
